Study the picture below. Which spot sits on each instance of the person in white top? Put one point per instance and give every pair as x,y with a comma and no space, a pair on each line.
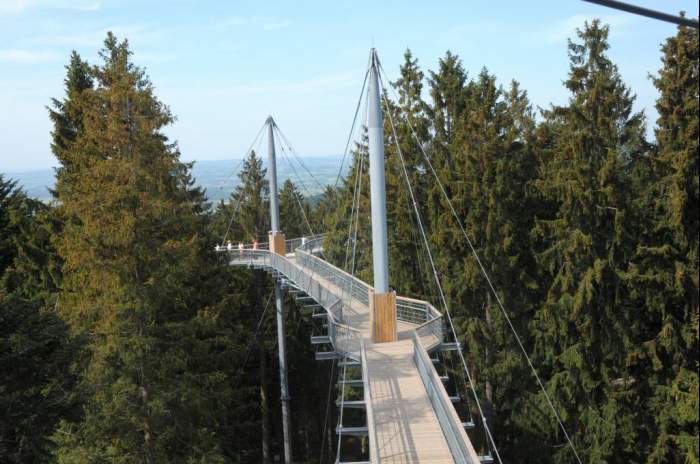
229,246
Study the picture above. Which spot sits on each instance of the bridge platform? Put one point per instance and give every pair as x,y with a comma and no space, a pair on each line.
410,416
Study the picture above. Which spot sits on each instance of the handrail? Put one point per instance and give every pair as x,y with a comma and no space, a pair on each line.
431,333
450,423
351,286
353,343
345,339
409,310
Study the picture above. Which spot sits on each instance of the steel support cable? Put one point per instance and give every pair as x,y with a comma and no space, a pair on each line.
235,169
296,197
238,202
357,221
289,162
354,238
493,291
357,193
352,128
634,9
294,153
356,209
230,222
437,279
352,214
257,330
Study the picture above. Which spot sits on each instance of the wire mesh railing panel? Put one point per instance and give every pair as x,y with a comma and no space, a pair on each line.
432,333
350,287
308,243
413,311
447,416
346,340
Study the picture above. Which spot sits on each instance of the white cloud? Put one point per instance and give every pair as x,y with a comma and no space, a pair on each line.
19,6
26,56
566,27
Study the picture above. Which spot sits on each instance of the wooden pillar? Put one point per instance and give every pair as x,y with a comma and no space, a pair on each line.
277,240
382,310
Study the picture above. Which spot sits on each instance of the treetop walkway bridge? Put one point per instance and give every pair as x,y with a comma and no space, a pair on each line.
410,416
389,347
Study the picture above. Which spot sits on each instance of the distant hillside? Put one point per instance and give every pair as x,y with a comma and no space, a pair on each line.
216,177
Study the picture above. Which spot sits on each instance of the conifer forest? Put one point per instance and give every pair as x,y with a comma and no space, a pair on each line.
125,339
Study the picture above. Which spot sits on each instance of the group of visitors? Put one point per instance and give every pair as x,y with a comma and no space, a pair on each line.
241,247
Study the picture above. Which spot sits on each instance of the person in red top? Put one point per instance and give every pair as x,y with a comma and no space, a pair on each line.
255,244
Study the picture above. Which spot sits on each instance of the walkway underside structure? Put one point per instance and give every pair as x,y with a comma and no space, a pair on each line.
410,416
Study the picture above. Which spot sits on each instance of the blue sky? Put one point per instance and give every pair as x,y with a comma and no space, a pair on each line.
222,67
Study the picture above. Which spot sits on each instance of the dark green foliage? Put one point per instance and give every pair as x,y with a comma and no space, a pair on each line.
34,353
582,329
124,337
664,271
132,252
294,211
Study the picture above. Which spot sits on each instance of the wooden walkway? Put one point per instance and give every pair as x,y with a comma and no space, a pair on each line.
406,427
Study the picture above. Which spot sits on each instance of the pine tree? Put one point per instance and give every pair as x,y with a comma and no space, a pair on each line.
131,248
67,119
294,211
34,352
664,272
407,256
447,87
585,327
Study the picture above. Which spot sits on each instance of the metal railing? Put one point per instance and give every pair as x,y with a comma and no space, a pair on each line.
306,243
345,339
308,266
450,423
351,287
431,333
413,311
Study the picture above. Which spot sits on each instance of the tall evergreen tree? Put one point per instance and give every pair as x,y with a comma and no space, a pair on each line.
585,326
132,249
34,352
664,270
407,257
294,211
67,118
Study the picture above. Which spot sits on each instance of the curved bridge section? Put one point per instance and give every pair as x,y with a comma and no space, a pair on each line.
410,416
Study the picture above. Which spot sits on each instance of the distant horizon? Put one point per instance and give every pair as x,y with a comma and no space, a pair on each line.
217,177
262,155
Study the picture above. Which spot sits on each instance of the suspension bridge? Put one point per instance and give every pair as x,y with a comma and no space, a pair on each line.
391,351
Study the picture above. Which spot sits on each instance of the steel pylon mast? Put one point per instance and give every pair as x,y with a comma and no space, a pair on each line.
277,243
